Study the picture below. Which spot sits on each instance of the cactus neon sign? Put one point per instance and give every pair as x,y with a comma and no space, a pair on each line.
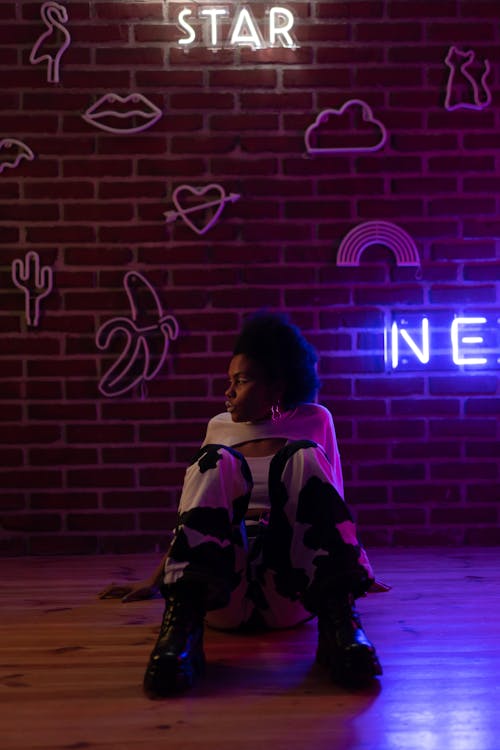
414,343
210,23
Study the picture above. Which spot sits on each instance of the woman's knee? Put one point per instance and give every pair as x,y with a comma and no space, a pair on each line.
218,476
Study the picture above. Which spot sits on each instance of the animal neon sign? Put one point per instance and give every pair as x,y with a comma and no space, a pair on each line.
466,89
12,152
52,44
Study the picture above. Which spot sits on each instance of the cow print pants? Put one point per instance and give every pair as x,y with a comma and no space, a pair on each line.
305,551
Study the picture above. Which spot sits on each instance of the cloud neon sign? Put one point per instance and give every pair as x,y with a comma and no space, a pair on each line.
217,27
414,342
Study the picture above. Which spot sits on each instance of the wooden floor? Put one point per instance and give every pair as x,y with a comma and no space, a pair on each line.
71,665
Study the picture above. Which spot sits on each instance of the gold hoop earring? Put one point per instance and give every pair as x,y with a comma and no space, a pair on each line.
275,413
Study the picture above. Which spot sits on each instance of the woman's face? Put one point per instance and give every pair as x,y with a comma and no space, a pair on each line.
249,396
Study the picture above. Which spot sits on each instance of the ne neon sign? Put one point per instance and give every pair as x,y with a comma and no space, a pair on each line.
412,342
217,27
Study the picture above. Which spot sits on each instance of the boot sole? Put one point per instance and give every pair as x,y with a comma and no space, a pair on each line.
354,668
172,674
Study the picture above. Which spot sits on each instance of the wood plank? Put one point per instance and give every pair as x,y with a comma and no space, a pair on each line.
71,665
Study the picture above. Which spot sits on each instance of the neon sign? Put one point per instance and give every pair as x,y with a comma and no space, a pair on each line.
209,26
413,342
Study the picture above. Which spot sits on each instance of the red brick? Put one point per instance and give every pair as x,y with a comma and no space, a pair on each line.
131,57
95,33
162,476
157,521
425,8
12,500
463,384
134,499
463,295
482,492
100,522
30,522
63,500
464,516
393,472
483,449
462,33
69,191
102,477
349,10
425,493
124,11
168,79
8,10
396,295
464,206
241,79
458,249
30,434
116,80
96,167
391,517
106,212
485,428
107,433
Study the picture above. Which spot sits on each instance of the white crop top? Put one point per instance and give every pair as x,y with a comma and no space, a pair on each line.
259,467
305,422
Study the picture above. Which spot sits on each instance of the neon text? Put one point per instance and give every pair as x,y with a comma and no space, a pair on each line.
244,30
413,342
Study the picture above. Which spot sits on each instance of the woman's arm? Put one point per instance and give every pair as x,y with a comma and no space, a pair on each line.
132,592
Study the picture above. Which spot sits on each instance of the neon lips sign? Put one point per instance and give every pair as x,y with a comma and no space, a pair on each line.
413,342
218,27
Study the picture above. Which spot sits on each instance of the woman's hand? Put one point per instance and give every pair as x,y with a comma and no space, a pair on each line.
379,587
148,588
130,592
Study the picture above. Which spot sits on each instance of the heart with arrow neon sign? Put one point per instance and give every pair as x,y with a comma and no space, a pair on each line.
199,208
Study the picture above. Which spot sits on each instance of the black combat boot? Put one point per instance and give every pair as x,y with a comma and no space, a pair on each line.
178,653
342,644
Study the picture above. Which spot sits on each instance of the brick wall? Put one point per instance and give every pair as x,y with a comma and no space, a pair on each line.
83,472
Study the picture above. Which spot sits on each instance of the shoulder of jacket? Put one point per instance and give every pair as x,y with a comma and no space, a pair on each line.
314,409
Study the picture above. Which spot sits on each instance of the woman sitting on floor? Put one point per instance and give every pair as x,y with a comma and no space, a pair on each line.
263,532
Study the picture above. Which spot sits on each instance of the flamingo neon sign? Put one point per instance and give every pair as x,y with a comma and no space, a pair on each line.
217,26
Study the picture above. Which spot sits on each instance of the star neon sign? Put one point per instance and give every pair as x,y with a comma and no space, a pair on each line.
221,27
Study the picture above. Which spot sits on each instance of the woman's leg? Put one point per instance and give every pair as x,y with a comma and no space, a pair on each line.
209,544
204,564
311,558
310,548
